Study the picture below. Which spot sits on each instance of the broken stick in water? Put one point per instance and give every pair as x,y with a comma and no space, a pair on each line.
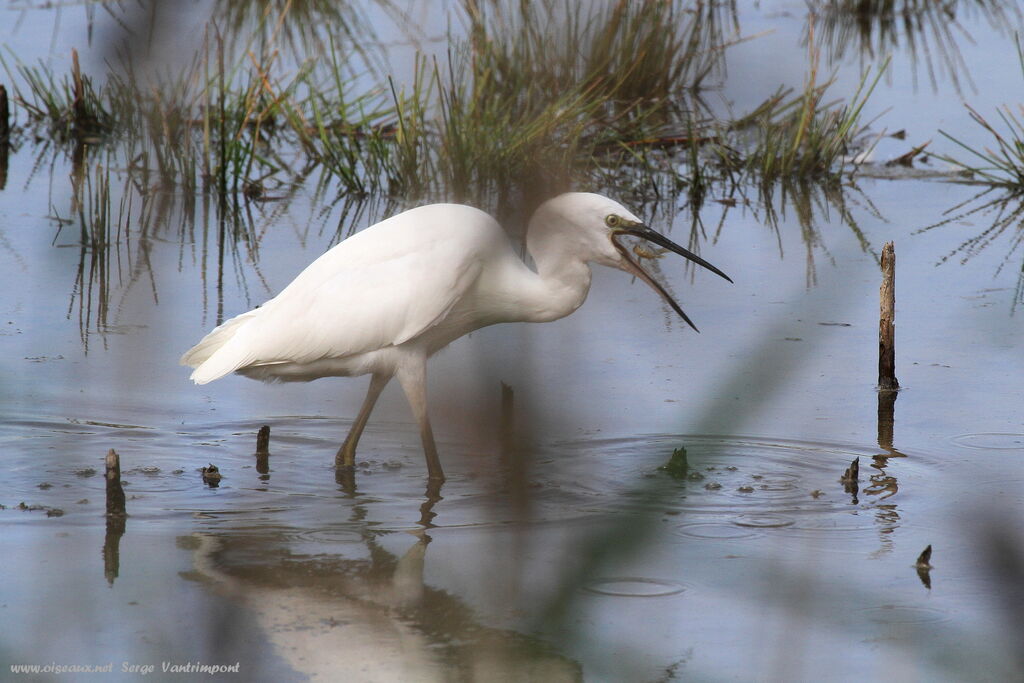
924,560
851,478
263,440
263,450
115,493
924,566
5,116
211,476
886,329
116,517
852,472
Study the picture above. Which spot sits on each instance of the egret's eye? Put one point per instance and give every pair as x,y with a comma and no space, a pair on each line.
612,221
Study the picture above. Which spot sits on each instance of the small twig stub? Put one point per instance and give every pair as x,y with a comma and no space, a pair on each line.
924,560
211,476
852,472
851,478
263,439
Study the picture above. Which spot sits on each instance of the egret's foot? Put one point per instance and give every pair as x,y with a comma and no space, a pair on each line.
434,471
346,457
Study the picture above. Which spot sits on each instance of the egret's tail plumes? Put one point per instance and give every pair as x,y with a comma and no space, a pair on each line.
224,361
220,335
214,356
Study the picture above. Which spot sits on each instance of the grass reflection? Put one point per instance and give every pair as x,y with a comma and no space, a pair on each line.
115,220
1003,222
1003,164
813,205
114,223
929,33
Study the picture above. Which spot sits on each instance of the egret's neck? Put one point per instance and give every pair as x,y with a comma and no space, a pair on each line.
563,277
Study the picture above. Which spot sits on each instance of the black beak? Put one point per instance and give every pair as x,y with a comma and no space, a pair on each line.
631,266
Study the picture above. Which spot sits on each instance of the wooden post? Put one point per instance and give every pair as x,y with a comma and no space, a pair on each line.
263,450
886,329
5,116
116,517
115,494
5,136
263,439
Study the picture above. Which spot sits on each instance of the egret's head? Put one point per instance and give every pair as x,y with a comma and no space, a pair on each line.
598,225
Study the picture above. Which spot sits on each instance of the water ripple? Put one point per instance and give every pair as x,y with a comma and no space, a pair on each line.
993,441
634,587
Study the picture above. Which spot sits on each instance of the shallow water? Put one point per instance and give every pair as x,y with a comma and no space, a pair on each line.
557,548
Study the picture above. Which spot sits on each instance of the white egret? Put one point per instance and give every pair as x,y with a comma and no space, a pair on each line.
384,300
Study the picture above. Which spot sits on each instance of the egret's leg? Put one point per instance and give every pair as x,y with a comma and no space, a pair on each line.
346,456
414,383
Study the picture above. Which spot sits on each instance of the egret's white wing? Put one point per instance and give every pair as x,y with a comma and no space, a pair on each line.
465,229
363,295
364,309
